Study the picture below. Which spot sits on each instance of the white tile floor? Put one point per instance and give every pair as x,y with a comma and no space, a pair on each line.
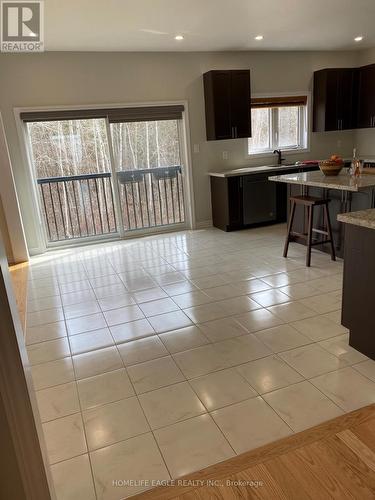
156,357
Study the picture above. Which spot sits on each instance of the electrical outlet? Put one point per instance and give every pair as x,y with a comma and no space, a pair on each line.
339,143
225,155
196,148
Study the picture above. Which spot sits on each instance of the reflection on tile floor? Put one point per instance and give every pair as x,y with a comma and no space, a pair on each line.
155,357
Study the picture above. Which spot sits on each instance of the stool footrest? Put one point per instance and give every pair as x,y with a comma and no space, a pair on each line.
314,243
320,231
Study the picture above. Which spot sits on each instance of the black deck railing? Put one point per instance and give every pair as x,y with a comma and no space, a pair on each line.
151,197
78,206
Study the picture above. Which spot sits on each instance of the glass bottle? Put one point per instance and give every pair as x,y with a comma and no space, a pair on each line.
355,168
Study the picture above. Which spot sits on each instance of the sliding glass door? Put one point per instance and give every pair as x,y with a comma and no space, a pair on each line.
107,173
149,173
73,176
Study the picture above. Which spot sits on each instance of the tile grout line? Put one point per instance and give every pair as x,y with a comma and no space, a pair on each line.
83,423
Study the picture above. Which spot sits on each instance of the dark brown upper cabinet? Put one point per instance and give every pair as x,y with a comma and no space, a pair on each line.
335,99
366,96
228,102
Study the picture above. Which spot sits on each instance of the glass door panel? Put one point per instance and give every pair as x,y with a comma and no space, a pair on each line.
73,173
149,173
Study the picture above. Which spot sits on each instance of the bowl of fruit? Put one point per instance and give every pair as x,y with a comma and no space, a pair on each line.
332,166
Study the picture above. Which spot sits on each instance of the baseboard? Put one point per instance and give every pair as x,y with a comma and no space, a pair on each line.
36,251
203,224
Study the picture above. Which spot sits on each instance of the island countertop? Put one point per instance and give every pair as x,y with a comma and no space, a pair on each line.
362,218
342,182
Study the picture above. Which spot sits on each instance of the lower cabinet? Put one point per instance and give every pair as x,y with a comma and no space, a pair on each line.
359,288
247,201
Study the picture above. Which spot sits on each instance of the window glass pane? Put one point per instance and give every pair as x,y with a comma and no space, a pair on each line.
261,130
288,127
69,147
140,145
148,165
80,206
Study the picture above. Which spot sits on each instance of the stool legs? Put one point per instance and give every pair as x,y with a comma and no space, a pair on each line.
309,234
329,230
290,225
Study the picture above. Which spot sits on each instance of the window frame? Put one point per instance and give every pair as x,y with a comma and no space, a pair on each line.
304,129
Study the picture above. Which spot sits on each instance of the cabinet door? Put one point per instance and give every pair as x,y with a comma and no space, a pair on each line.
340,99
218,103
346,101
331,102
235,202
366,105
335,99
240,104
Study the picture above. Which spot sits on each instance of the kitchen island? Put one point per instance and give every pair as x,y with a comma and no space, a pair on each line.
344,192
359,280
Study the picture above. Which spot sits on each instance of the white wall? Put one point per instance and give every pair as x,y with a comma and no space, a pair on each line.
71,78
11,220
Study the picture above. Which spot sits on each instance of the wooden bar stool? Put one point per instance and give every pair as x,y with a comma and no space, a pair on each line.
310,202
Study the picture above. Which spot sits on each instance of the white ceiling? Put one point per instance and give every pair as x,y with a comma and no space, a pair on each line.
208,25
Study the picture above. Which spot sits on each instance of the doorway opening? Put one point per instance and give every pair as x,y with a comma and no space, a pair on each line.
109,173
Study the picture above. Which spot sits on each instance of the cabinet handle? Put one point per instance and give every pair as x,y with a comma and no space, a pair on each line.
235,132
232,132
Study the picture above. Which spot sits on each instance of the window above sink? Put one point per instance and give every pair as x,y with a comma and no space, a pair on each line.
278,123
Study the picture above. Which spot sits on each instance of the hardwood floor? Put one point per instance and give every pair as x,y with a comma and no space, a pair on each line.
335,460
19,274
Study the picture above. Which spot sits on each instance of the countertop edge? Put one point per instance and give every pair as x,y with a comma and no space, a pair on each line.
362,218
256,170
312,183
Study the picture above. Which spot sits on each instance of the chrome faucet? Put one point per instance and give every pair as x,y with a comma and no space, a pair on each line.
279,156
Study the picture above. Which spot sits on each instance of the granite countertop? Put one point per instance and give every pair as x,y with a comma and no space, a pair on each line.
257,170
363,218
343,182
